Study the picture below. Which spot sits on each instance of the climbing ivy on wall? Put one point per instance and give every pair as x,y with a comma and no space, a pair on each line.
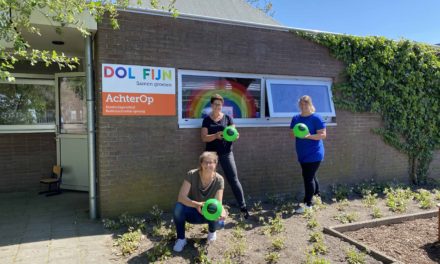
400,80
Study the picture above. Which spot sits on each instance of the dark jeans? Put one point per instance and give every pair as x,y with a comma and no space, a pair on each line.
228,165
311,183
183,213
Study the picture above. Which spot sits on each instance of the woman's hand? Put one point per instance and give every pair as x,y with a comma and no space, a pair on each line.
223,215
199,206
219,135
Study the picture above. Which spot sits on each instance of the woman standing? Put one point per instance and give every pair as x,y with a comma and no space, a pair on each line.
212,133
199,185
310,149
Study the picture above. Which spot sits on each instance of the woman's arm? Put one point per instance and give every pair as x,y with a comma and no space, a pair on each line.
320,134
208,138
183,196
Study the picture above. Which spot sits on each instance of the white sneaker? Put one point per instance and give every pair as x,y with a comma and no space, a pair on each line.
179,245
302,209
212,236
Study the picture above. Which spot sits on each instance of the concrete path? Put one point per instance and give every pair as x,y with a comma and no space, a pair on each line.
56,229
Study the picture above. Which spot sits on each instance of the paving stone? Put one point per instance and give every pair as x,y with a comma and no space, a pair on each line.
31,254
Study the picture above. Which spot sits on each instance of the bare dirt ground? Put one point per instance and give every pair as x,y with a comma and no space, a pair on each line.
410,242
290,238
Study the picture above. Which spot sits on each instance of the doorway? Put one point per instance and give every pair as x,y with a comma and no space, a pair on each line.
71,130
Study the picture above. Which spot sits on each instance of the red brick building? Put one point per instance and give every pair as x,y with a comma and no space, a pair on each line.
140,160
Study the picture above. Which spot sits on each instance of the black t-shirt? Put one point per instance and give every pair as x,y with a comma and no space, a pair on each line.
219,146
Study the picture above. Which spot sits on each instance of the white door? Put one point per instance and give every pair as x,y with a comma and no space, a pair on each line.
71,134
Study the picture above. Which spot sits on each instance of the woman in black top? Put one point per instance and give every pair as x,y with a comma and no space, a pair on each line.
212,134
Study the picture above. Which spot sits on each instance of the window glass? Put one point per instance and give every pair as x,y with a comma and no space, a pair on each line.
73,107
27,103
242,96
283,96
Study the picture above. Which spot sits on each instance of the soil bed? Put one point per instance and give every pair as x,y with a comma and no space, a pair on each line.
410,242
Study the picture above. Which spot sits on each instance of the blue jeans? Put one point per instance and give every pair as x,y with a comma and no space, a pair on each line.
183,213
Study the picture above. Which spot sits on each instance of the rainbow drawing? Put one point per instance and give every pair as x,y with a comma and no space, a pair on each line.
242,102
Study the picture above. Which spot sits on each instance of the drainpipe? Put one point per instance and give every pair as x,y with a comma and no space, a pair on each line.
90,126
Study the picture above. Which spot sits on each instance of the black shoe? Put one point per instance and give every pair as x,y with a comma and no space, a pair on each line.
244,212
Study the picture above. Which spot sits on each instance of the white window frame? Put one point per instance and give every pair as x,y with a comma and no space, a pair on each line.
37,128
263,120
322,82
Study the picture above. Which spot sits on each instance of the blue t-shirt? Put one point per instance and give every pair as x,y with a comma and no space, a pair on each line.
309,150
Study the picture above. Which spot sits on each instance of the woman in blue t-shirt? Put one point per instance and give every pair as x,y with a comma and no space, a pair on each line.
212,134
310,149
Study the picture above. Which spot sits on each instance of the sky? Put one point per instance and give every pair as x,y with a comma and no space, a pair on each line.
417,20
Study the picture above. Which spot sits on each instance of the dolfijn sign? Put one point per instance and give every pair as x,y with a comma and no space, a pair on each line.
129,90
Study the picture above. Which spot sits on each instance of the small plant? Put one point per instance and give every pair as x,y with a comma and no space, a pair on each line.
111,224
369,186
376,212
437,194
274,199
317,203
397,199
340,192
159,252
132,222
354,257
309,214
345,218
370,199
202,257
316,237
278,243
237,250
165,233
312,223
244,225
310,259
424,198
238,246
274,226
238,232
257,207
156,214
319,248
342,205
128,242
272,257
286,208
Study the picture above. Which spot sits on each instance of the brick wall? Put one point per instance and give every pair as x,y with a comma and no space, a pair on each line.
142,160
24,159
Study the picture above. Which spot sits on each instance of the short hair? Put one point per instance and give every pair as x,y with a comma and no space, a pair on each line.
207,154
217,97
308,100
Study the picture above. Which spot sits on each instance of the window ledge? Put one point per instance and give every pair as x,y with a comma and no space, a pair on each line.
8,129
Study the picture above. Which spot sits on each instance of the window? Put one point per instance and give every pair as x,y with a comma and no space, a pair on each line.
241,94
283,95
253,100
27,105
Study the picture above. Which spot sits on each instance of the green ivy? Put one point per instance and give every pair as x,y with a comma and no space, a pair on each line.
400,80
